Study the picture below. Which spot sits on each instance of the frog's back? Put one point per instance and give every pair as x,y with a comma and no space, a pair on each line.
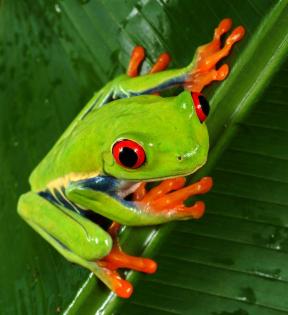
68,157
79,150
63,162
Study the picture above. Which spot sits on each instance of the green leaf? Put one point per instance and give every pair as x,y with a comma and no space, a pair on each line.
53,56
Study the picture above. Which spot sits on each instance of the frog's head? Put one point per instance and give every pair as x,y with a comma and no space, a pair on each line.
153,138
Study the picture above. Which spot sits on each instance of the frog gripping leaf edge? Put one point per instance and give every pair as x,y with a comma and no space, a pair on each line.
95,177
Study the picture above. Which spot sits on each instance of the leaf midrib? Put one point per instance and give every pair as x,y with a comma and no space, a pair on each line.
223,130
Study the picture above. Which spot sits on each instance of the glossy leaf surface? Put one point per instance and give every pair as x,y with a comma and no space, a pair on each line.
53,56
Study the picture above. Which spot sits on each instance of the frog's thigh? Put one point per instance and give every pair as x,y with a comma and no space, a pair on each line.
74,236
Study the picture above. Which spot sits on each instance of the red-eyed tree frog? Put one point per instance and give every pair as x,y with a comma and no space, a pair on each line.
126,136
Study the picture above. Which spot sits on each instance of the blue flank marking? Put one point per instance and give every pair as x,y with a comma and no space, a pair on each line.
60,200
47,195
105,184
162,86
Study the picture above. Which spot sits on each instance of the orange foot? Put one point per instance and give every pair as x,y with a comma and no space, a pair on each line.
138,56
119,286
204,67
118,259
168,197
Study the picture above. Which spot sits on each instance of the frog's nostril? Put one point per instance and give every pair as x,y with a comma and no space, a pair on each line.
179,157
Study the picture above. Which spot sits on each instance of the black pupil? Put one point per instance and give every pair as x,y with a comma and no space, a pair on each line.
204,105
128,157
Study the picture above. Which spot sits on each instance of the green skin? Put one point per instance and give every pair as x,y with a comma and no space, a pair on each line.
165,127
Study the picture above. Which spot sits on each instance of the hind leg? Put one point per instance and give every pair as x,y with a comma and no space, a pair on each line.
76,238
118,259
203,69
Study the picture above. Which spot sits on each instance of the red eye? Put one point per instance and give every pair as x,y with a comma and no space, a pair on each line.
128,153
201,106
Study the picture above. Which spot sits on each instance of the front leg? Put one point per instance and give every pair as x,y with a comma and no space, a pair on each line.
198,74
118,259
169,196
161,204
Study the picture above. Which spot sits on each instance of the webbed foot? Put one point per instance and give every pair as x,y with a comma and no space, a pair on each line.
204,65
117,259
169,196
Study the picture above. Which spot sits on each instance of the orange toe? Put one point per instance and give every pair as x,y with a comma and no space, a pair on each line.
206,184
150,266
236,35
137,56
162,63
123,288
224,26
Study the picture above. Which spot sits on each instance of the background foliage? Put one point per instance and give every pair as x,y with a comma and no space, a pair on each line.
53,56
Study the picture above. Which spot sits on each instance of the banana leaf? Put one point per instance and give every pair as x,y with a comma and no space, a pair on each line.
53,56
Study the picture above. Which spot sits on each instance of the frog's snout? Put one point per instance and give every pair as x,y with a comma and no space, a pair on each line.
189,160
